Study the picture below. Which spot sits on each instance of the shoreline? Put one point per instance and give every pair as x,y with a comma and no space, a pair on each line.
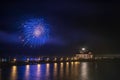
20,63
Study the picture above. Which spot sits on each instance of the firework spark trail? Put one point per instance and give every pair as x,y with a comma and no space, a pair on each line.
35,31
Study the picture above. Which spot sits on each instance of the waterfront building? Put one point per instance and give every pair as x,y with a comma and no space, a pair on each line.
84,54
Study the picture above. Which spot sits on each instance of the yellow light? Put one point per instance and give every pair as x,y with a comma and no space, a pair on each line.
14,73
14,68
55,63
76,62
67,58
71,62
67,63
61,69
61,63
38,65
71,58
67,68
55,69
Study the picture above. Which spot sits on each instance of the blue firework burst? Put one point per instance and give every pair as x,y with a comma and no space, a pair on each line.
35,31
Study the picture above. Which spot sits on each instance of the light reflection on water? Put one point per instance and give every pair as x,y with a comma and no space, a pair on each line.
51,71
27,72
14,73
76,69
84,71
61,69
47,71
67,68
38,74
55,69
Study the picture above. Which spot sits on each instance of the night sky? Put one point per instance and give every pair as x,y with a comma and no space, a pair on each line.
73,25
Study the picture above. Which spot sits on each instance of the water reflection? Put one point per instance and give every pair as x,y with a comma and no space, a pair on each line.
72,64
77,62
27,72
67,68
50,71
47,69
84,71
38,70
55,69
61,69
76,68
13,73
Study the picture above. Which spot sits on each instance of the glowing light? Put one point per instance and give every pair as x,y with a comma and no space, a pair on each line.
47,69
77,62
14,73
38,31
67,68
38,66
27,66
27,72
35,32
55,59
55,65
14,59
83,49
61,63
61,69
67,63
61,59
84,71
38,69
55,69
28,60
67,58
72,63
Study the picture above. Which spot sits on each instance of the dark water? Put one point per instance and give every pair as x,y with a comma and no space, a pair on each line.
63,71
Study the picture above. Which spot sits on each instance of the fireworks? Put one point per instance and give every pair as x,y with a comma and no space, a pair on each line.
35,32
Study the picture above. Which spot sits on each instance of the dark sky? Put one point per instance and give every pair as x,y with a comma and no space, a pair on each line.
73,24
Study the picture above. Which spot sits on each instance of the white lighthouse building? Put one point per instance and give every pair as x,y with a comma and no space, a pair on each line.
84,54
